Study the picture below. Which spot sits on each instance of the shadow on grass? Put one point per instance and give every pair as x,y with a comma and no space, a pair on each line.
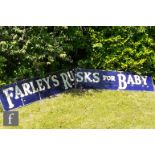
81,92
72,92
1,110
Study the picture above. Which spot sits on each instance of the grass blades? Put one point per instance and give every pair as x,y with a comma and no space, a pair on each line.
89,109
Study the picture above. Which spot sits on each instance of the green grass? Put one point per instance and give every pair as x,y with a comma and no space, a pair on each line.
90,109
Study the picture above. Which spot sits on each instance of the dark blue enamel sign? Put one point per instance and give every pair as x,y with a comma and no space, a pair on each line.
99,79
25,92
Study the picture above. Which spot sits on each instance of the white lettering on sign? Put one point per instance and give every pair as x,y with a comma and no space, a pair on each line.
40,85
33,88
8,96
26,88
29,88
71,75
88,77
55,81
108,78
144,78
122,82
47,81
18,92
130,80
79,77
65,79
135,80
96,77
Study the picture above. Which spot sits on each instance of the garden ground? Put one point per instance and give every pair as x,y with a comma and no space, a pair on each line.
90,109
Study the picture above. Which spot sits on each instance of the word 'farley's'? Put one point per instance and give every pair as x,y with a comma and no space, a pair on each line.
37,88
27,91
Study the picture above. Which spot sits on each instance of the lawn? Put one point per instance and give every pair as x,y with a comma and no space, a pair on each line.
90,109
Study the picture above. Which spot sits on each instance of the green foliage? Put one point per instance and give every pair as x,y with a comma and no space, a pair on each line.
35,51
121,48
28,52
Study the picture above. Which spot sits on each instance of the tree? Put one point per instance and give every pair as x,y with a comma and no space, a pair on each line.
35,51
121,48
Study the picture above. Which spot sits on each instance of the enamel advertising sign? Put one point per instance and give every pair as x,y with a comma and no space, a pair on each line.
99,79
27,91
